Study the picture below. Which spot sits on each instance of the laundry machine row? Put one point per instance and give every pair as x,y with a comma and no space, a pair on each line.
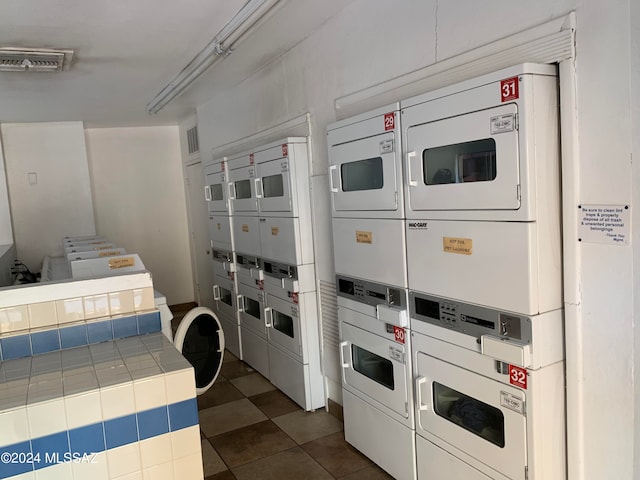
471,172
260,216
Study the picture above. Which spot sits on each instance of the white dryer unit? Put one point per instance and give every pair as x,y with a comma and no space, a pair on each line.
251,303
291,321
284,201
377,387
480,418
482,190
217,188
226,299
366,181
365,165
244,203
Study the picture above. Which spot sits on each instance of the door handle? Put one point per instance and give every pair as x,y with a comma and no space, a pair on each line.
419,384
268,317
216,292
258,186
220,341
342,355
410,181
332,170
207,193
232,190
240,301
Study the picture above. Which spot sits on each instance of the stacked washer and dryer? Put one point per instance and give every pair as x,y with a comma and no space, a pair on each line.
371,282
484,278
265,270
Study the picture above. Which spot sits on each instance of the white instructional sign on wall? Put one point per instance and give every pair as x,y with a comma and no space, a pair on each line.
607,224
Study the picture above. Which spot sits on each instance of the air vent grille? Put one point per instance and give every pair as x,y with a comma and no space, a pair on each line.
34,60
192,140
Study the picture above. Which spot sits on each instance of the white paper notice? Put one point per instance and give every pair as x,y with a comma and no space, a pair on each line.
607,224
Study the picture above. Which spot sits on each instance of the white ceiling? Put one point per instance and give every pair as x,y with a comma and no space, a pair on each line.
127,51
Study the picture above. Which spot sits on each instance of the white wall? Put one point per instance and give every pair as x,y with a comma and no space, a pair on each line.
634,23
138,191
60,202
604,445
6,229
371,41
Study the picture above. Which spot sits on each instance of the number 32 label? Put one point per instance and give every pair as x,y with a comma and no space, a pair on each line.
518,377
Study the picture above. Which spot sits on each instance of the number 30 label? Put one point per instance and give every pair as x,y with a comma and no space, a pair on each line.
518,377
398,334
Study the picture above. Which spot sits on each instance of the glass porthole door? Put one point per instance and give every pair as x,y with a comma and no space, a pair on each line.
200,339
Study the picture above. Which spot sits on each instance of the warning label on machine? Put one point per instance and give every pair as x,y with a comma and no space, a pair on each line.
606,224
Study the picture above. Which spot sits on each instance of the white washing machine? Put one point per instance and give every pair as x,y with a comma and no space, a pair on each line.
200,339
366,181
482,190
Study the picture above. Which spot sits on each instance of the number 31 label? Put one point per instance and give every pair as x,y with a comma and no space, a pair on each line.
518,377
509,89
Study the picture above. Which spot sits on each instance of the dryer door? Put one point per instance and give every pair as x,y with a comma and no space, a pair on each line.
364,175
468,162
274,188
216,190
242,190
200,339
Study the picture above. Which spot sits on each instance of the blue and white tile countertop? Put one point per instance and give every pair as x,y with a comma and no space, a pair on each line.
106,397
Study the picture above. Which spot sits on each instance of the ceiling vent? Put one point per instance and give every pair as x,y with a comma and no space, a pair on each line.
34,60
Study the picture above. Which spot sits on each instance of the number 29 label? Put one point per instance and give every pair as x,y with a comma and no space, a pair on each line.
518,376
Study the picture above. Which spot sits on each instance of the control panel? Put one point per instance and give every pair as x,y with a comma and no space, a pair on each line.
370,293
468,318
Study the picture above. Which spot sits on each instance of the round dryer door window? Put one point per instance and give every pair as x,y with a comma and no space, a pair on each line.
200,339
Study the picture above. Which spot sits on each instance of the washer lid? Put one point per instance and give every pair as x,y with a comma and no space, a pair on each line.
200,339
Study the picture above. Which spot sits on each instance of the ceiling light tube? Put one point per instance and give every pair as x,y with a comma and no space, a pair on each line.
218,48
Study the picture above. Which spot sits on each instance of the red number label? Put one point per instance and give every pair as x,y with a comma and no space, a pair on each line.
260,284
398,334
509,89
285,150
251,159
222,167
294,297
518,376
389,121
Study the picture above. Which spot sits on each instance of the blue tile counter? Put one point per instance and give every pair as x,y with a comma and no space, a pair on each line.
44,341
104,410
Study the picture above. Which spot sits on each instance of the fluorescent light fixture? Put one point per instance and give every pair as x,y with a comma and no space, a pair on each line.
221,46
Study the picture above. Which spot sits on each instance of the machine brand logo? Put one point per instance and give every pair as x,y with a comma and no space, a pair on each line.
418,226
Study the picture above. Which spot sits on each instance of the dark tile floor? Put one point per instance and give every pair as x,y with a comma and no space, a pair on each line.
252,431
